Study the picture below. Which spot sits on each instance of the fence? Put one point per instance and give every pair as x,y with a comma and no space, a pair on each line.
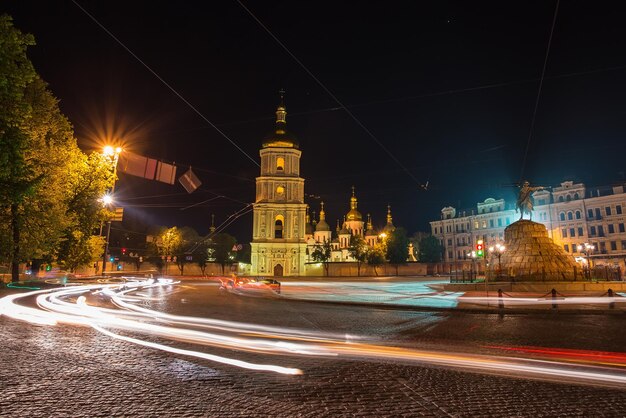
605,273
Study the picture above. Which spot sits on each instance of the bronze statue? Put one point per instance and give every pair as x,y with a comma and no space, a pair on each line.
524,199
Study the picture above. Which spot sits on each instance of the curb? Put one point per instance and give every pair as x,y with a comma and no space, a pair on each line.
494,310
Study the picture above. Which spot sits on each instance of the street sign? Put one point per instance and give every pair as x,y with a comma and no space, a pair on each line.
118,215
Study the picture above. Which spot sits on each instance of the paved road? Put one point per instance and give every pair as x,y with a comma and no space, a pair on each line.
76,371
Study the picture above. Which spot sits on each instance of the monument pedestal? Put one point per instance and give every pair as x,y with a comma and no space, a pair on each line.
531,255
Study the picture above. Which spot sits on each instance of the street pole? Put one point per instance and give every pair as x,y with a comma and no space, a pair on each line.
106,242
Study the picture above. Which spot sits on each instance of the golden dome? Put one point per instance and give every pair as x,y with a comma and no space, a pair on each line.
354,215
280,137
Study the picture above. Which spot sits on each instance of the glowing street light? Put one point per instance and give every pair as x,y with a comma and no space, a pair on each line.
106,200
112,153
498,250
586,249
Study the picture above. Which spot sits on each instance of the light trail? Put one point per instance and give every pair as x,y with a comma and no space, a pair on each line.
71,306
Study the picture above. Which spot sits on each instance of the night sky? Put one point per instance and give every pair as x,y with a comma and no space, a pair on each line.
448,87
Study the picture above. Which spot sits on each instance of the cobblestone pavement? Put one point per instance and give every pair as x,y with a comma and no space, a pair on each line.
72,371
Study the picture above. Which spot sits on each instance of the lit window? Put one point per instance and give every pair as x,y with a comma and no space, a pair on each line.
278,226
280,164
280,190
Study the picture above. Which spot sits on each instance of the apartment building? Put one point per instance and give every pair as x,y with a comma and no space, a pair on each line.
572,213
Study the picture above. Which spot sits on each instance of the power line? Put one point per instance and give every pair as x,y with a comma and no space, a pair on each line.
543,73
356,120
172,89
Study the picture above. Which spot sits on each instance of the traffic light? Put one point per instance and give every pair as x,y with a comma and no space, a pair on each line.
123,251
480,248
111,259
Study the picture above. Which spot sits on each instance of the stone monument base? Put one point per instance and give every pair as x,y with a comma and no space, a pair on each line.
531,255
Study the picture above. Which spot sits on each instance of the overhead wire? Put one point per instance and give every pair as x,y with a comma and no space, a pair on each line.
172,89
543,73
323,86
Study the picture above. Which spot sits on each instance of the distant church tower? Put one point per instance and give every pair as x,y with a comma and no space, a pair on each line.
278,231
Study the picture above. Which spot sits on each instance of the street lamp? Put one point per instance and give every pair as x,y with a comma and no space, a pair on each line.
113,154
473,256
498,250
587,249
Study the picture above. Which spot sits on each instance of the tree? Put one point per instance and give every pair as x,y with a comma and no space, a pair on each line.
169,242
36,141
430,250
201,256
88,179
397,247
376,257
190,239
358,250
220,249
321,254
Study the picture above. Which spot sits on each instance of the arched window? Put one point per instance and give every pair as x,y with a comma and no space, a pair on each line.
576,197
561,199
568,198
577,212
278,226
562,216
570,216
280,190
280,164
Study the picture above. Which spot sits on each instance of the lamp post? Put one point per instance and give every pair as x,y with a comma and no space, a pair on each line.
113,154
473,256
587,249
498,250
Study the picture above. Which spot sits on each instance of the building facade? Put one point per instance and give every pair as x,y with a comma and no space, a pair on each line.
572,213
319,232
278,246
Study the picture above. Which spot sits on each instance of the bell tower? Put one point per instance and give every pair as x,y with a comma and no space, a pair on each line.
278,231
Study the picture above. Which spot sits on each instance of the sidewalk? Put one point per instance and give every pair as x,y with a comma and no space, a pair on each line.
421,296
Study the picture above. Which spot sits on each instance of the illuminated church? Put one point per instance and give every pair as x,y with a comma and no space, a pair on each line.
283,236
319,232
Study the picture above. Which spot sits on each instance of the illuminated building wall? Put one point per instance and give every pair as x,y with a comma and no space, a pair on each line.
572,213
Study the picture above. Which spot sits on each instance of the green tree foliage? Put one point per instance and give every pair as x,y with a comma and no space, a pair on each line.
321,254
376,257
358,250
221,249
430,250
88,178
397,247
190,239
36,146
166,242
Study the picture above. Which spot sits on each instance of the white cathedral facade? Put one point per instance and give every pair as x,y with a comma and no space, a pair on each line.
278,241
283,237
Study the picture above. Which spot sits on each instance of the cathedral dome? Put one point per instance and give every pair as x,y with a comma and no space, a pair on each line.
280,137
322,225
353,215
